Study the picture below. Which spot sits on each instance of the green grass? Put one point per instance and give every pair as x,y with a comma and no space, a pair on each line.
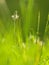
28,53
13,49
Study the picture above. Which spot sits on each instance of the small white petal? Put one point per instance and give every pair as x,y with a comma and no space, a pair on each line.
16,16
13,16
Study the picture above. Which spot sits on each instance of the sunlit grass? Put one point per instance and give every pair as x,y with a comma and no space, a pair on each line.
27,53
13,49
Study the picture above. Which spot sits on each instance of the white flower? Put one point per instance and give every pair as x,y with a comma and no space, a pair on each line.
12,16
15,16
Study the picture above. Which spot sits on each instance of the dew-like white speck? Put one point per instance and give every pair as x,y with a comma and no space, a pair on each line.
15,16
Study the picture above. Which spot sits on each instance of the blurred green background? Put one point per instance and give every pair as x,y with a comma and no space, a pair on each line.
18,36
